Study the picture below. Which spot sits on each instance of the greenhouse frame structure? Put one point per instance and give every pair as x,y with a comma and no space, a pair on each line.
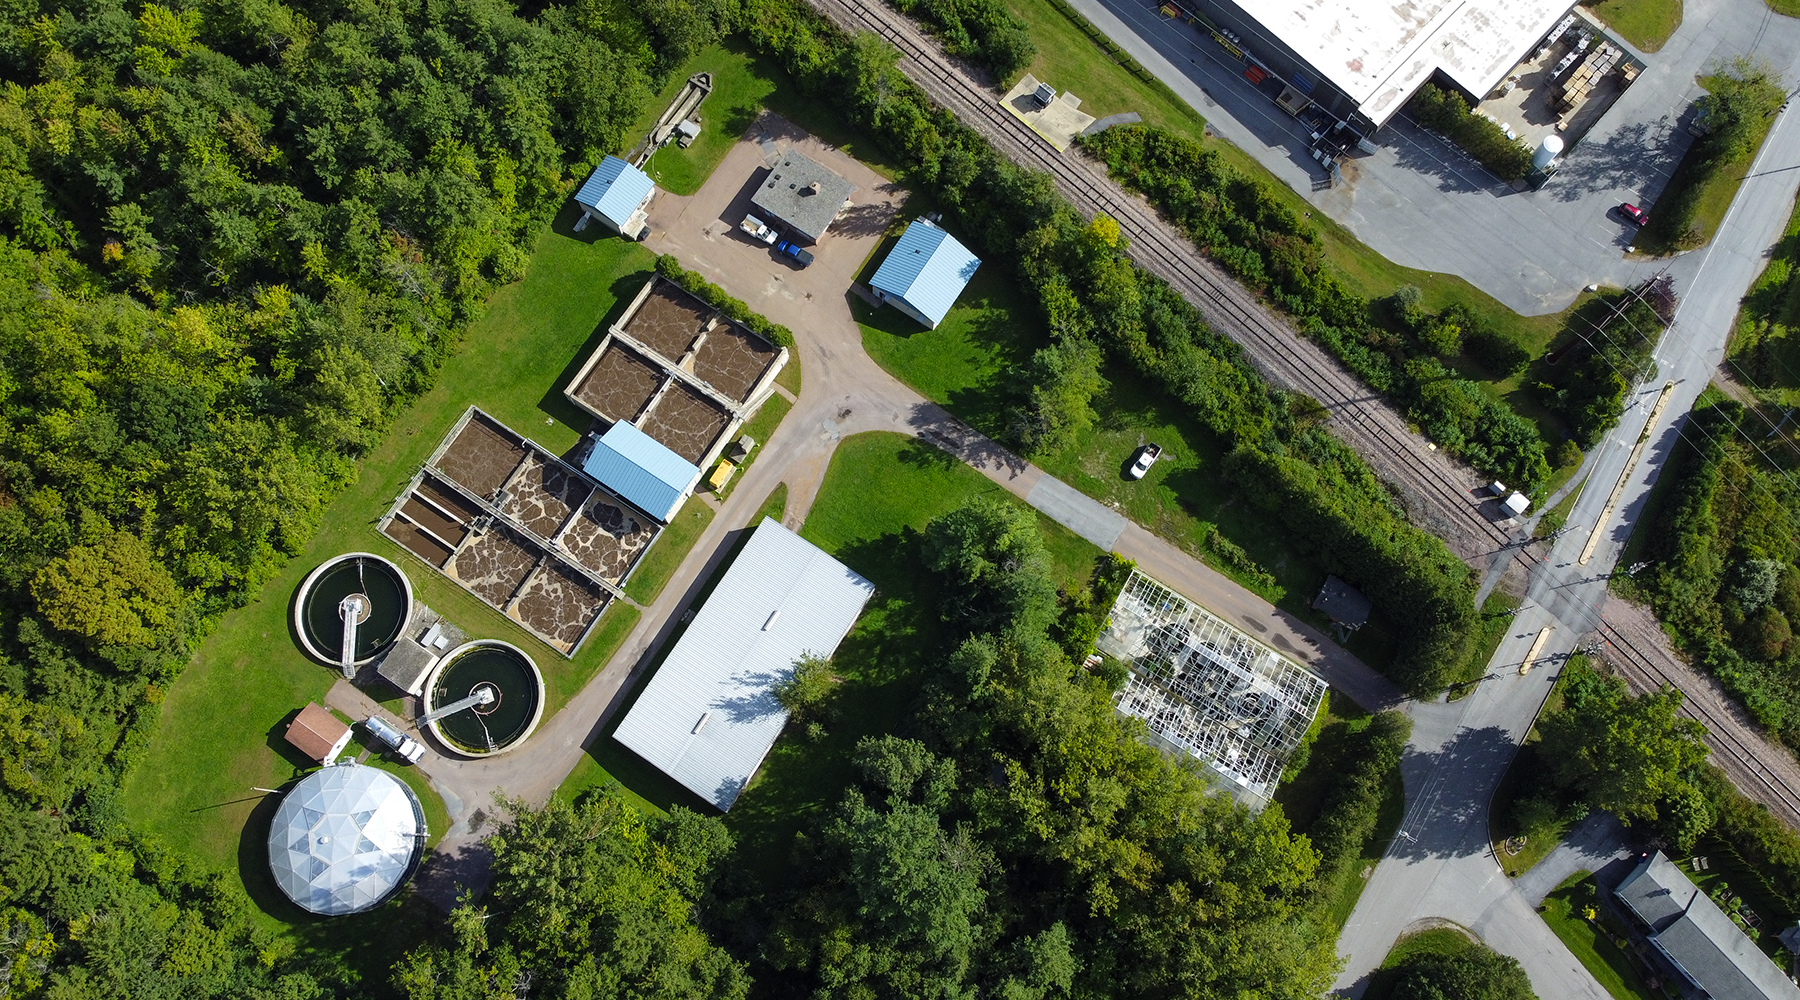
1208,690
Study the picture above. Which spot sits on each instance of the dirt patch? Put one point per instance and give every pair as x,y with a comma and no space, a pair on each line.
669,320
481,457
417,542
559,605
543,497
493,565
733,360
686,421
607,538
434,520
619,384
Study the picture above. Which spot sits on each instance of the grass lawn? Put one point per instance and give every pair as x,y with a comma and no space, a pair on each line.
1528,777
1646,24
774,506
1496,620
670,549
223,718
1446,941
1711,190
963,365
1589,942
1729,875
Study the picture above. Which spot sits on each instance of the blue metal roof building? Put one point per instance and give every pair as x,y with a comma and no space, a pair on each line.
924,273
616,193
642,470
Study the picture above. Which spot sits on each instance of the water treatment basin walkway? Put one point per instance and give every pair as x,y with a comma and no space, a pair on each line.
844,392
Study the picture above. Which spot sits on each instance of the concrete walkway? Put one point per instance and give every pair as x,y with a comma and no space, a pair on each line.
843,393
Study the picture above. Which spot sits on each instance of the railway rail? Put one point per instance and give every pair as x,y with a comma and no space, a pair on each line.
1439,490
1740,758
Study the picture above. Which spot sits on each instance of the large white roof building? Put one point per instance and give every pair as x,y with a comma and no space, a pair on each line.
709,716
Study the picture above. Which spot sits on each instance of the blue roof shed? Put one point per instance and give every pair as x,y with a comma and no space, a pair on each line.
641,470
614,192
925,273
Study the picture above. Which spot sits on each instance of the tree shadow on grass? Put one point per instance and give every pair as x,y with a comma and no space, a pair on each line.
554,402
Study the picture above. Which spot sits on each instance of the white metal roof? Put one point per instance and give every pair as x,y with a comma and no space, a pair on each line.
709,716
1379,51
345,838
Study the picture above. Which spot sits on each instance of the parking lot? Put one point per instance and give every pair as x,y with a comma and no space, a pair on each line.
702,229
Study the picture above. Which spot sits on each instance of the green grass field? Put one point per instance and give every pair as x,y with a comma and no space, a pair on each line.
223,718
759,428
1563,911
1646,24
660,563
1765,346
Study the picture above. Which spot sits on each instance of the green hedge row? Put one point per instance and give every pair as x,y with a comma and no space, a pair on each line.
1352,805
1447,113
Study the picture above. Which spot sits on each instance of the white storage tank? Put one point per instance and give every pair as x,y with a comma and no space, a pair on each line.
1548,150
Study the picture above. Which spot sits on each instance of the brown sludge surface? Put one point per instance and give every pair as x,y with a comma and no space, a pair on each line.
433,520
733,359
543,497
669,320
417,542
558,605
481,458
442,495
494,565
620,384
606,538
686,422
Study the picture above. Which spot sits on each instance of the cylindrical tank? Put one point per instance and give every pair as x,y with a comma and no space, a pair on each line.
1548,150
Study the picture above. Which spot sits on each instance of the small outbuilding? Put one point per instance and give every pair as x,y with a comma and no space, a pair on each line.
617,194
710,715
318,734
641,470
803,196
924,273
1516,504
1343,604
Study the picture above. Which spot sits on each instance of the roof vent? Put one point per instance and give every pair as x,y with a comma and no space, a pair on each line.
702,723
771,622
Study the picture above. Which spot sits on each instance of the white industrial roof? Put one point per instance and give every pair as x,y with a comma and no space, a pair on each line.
709,716
345,838
1380,51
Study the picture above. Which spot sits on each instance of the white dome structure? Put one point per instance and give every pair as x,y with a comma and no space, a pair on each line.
345,838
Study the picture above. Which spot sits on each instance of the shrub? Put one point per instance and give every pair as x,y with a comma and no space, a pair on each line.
1352,805
1481,137
669,267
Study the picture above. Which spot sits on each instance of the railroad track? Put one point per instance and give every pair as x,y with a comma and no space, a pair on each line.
1364,420
1742,756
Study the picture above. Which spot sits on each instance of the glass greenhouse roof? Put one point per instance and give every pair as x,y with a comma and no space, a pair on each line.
345,838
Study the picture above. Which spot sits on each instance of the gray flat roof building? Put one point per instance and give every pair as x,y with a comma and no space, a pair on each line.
1696,938
802,195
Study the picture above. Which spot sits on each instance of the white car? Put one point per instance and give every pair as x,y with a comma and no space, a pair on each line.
757,229
1146,457
401,743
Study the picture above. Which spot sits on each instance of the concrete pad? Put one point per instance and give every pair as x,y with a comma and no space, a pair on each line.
1077,511
1058,124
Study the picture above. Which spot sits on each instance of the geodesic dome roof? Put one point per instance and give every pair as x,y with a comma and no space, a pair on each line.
345,838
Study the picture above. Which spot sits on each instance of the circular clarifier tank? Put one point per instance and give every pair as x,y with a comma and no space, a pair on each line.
483,698
356,585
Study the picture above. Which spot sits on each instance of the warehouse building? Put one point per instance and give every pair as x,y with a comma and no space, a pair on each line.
802,196
617,194
710,715
1361,60
924,273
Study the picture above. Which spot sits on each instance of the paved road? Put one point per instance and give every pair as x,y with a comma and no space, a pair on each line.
1537,248
844,392
1460,751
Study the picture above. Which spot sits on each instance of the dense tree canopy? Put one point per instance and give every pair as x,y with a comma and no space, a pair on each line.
1624,754
1475,974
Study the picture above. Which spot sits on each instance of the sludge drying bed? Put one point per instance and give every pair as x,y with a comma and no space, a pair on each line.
537,540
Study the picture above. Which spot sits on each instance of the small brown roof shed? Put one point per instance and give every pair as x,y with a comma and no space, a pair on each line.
318,734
